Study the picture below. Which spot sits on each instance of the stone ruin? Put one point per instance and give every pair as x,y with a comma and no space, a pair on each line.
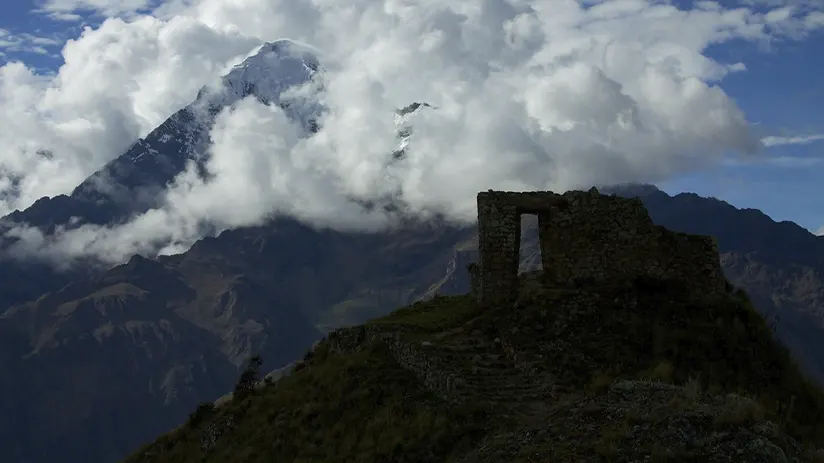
584,236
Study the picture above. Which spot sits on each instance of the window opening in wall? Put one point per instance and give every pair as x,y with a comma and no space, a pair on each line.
529,254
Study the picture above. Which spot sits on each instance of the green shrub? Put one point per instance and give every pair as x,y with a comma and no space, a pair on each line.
248,379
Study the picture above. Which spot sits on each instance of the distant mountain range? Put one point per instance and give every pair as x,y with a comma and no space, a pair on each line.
95,362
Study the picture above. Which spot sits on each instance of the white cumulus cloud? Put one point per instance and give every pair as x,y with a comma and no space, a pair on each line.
530,94
119,82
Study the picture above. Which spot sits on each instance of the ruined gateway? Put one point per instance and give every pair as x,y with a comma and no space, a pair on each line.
584,236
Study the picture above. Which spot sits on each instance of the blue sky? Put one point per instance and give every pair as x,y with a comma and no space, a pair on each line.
781,92
18,19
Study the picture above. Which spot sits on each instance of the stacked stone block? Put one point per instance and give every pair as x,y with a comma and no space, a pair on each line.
499,241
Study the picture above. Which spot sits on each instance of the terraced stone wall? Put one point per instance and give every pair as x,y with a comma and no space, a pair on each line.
409,355
586,236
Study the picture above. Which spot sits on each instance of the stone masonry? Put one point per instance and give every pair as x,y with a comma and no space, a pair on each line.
429,369
585,236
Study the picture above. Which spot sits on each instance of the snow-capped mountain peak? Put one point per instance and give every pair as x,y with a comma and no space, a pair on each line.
269,74
135,181
276,67
403,118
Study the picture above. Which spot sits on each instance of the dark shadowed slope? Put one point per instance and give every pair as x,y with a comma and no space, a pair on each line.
98,367
780,264
329,279
267,288
616,369
104,364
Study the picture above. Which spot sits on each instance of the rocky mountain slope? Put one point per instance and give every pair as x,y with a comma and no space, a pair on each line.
95,368
130,352
233,289
620,369
134,182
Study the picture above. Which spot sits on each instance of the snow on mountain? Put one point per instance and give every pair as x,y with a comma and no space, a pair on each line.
283,72
134,182
272,75
403,122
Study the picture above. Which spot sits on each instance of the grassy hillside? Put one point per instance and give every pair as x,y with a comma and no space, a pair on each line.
627,371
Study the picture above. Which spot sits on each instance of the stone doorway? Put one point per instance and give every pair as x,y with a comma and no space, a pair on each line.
584,236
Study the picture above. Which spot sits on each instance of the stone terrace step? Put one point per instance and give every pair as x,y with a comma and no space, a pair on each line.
461,347
514,383
506,397
481,355
492,369
450,351
510,382
509,389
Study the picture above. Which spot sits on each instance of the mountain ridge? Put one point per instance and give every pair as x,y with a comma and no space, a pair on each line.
626,366
331,279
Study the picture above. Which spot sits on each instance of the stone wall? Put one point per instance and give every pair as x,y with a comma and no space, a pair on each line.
499,241
586,236
410,355
583,236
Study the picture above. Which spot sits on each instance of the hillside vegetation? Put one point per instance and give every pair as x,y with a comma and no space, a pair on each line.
635,370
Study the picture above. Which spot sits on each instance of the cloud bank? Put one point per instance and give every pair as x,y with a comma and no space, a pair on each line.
530,94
